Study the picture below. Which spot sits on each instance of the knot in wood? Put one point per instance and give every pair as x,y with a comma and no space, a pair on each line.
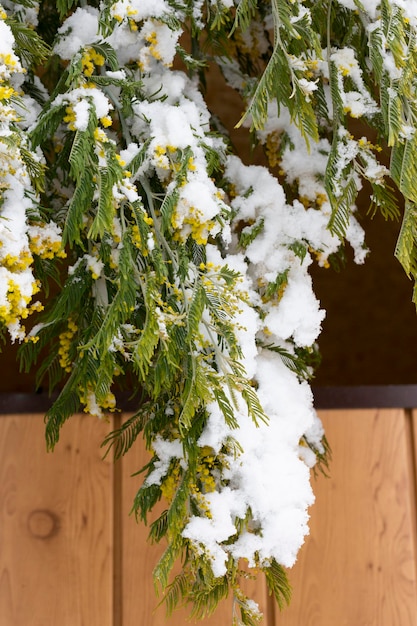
43,524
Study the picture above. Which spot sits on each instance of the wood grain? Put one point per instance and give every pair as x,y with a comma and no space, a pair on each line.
55,525
139,602
358,565
63,563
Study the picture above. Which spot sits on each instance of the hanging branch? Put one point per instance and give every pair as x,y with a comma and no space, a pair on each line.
183,273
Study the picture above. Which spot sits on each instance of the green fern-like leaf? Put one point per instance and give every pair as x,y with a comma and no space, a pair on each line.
225,407
29,45
159,528
404,167
392,111
245,12
341,186
195,312
145,347
190,398
80,201
166,562
81,155
385,199
207,596
122,440
67,404
106,50
176,592
64,6
277,583
145,500
406,248
47,124
255,409
105,207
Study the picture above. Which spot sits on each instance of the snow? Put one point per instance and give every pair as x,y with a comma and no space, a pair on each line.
6,38
268,477
263,471
166,450
81,101
79,29
139,9
290,319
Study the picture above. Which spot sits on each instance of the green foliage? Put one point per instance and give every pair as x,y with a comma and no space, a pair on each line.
32,49
180,260
277,583
406,248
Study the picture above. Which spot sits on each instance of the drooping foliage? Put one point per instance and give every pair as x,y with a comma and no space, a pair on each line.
177,271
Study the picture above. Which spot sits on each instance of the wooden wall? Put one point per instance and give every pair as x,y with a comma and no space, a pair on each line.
70,554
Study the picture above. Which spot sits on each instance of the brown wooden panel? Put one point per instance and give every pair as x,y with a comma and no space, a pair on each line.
55,525
139,601
358,567
412,424
413,434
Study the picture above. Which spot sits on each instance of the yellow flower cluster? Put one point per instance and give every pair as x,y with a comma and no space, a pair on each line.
137,240
70,118
365,143
17,263
272,145
322,259
152,39
88,398
9,160
201,501
170,483
136,236
109,402
9,63
94,264
316,202
214,283
199,230
191,225
6,92
89,59
161,157
106,121
206,482
44,245
65,342
130,12
17,305
204,471
100,136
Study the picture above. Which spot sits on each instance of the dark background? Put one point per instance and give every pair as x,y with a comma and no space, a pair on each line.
369,335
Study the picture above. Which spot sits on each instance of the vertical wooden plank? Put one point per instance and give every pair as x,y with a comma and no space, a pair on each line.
55,525
358,565
412,424
139,602
413,434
